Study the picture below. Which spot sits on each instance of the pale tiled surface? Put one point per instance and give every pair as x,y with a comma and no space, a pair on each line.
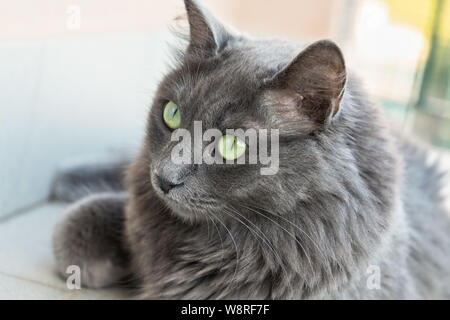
27,268
12,288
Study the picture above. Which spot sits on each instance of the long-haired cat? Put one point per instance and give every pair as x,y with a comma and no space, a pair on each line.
353,211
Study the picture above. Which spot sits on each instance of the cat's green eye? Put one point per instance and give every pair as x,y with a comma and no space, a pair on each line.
171,115
231,147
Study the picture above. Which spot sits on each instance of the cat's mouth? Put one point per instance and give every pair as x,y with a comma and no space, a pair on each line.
191,208
183,200
191,204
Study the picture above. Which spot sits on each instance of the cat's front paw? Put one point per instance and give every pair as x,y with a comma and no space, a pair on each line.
89,238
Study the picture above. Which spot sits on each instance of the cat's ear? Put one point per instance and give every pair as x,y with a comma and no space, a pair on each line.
311,87
207,34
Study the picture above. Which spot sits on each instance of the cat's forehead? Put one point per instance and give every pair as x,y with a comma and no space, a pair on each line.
271,54
241,60
223,89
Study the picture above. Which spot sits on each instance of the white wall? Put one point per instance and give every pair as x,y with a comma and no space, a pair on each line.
70,97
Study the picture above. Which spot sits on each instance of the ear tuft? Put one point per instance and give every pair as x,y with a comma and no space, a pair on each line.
207,34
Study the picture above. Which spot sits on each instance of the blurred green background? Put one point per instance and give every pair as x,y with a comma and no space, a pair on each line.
427,113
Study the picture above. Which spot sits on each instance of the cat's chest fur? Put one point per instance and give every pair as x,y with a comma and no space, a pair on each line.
221,262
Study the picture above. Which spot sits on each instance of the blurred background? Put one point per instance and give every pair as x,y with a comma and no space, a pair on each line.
77,76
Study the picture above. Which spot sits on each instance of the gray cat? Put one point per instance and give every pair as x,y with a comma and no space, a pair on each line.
354,211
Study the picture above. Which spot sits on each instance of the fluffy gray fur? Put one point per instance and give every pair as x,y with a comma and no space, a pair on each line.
349,193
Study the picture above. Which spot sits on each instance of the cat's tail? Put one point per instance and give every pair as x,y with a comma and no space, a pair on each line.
77,180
